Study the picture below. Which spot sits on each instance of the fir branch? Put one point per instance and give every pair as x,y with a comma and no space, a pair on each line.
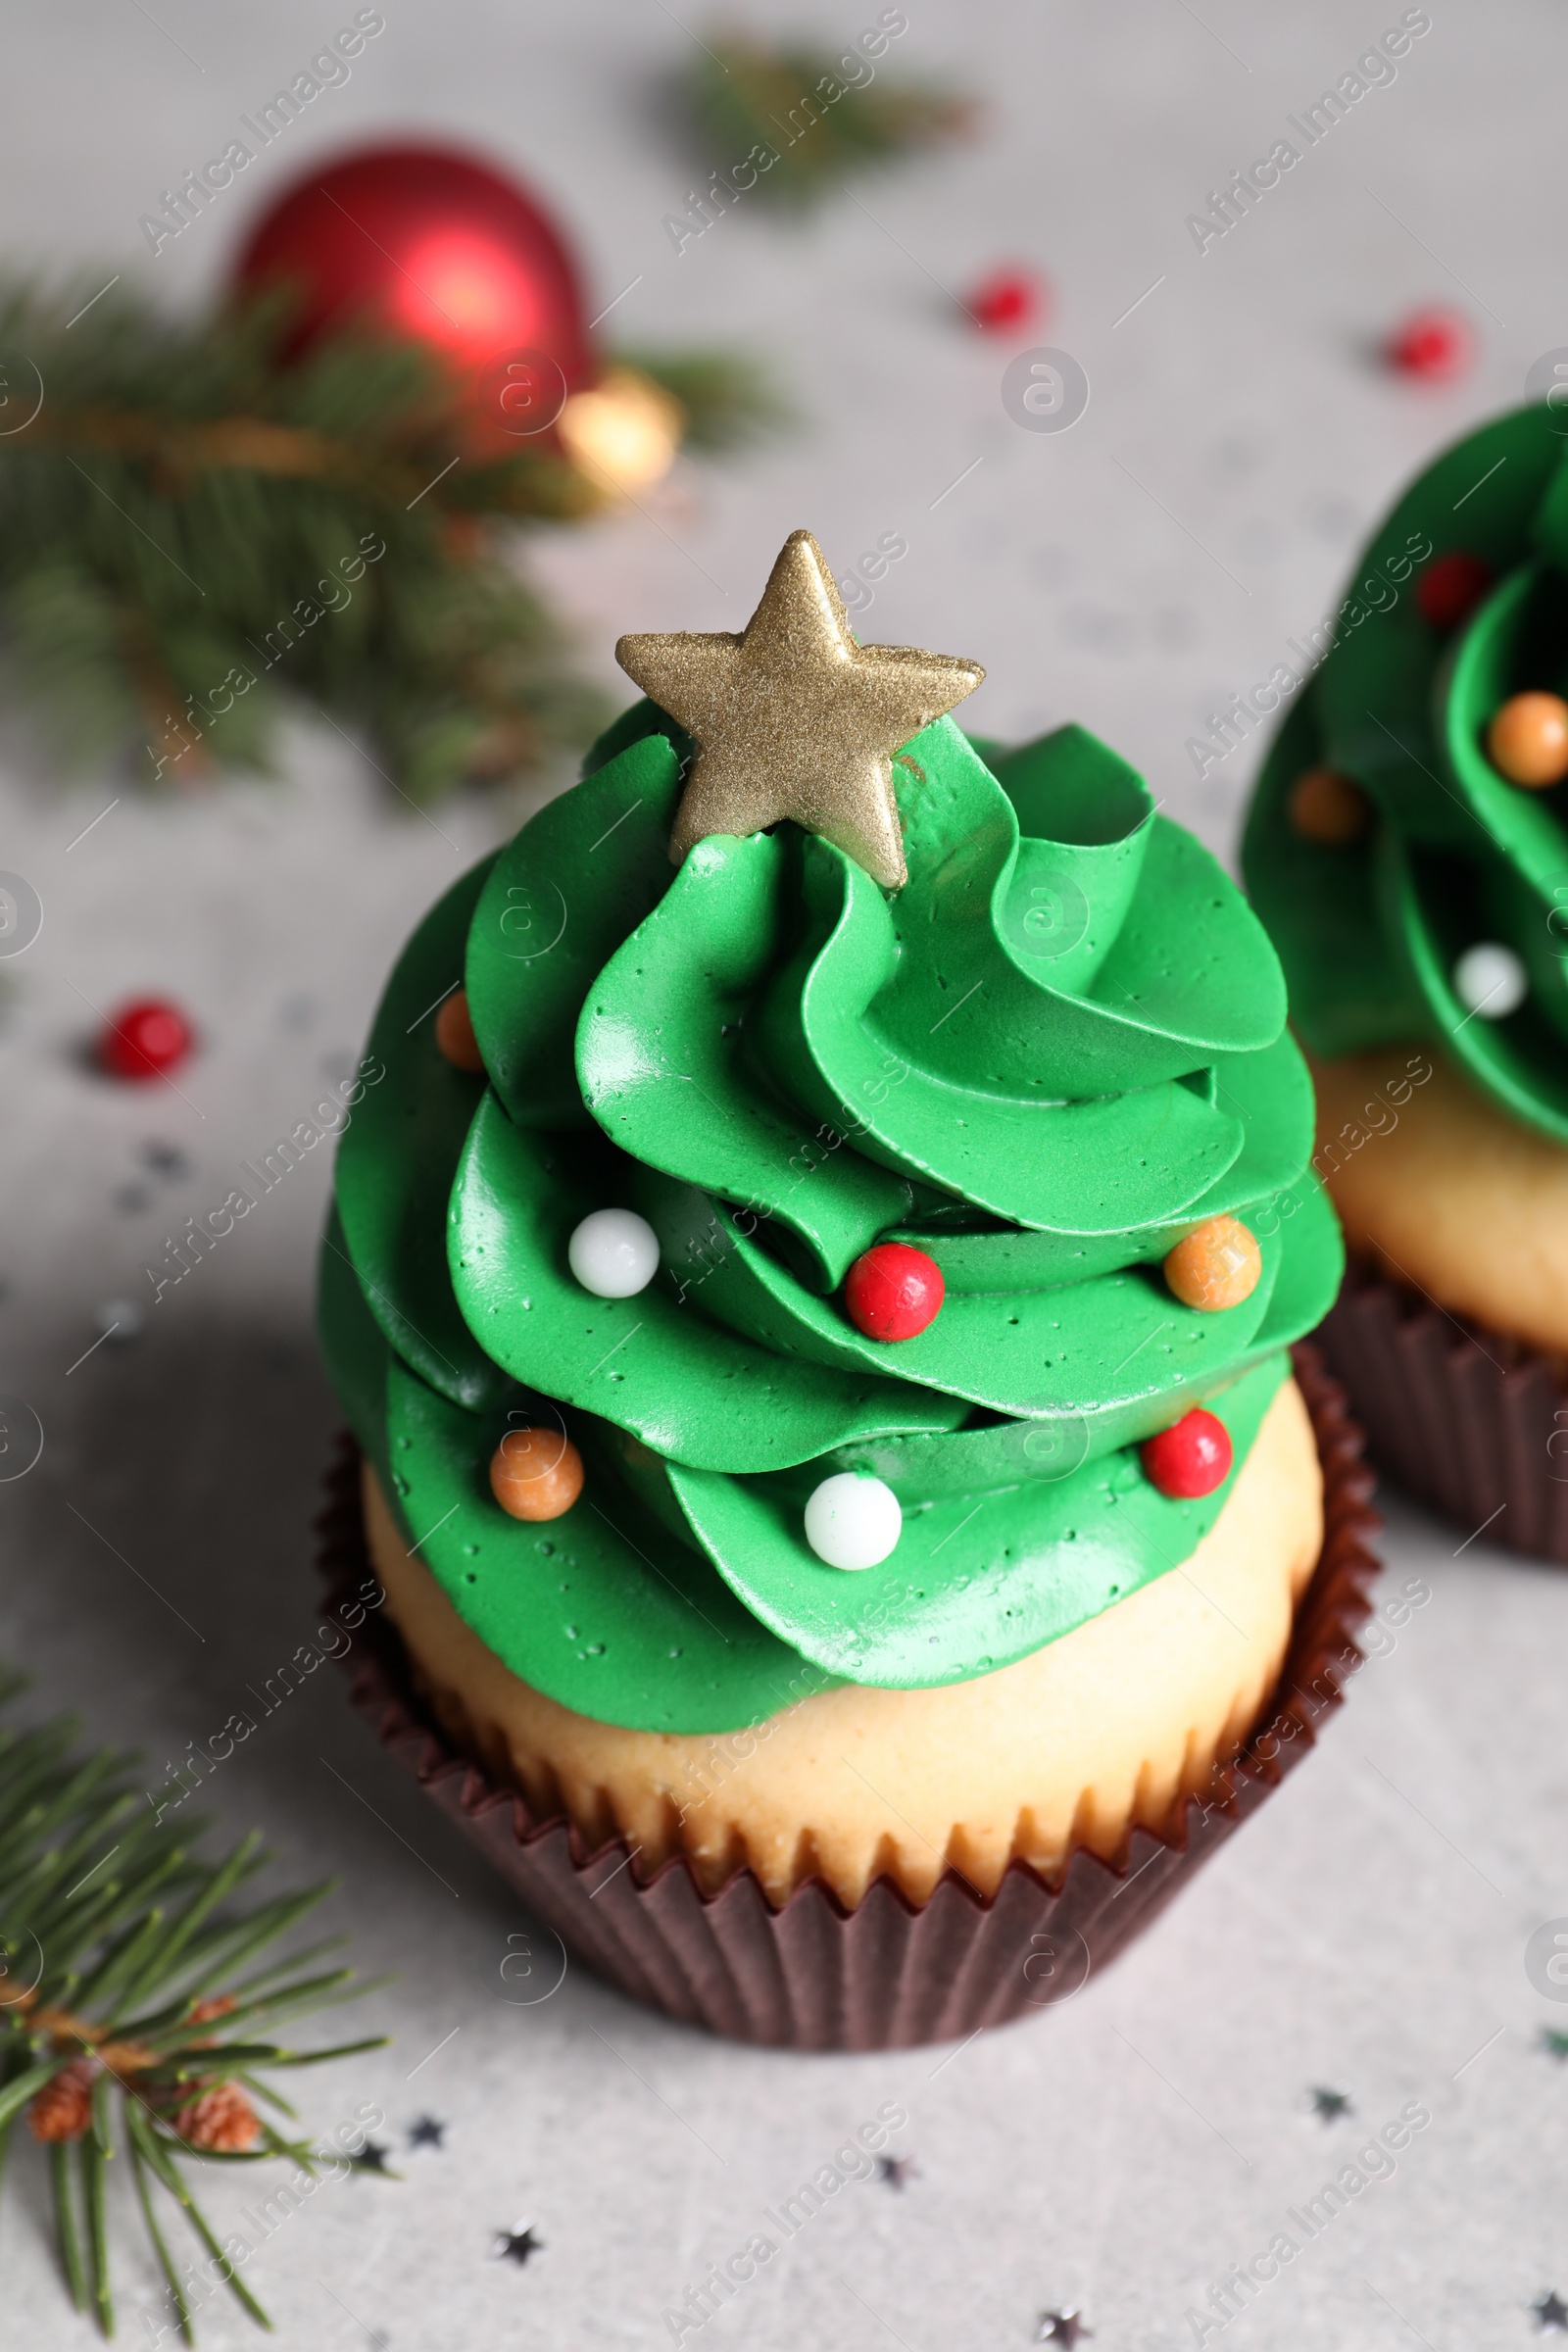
166,2173
197,529
728,399
815,118
116,2042
218,1890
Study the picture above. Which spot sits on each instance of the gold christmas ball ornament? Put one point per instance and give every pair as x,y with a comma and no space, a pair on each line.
623,434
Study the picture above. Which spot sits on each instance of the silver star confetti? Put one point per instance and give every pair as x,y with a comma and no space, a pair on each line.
517,2243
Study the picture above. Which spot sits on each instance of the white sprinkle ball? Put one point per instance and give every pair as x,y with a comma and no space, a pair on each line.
1490,980
853,1521
615,1253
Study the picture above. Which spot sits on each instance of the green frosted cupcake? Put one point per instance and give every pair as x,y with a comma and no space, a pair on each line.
814,1315
1409,851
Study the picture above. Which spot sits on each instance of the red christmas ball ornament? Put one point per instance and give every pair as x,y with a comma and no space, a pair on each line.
425,243
145,1040
893,1291
1450,588
1190,1459
1007,299
1433,344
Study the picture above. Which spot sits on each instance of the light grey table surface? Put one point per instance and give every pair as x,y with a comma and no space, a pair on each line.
1367,1932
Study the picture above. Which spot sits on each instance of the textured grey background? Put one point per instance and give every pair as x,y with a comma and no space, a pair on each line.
1368,1932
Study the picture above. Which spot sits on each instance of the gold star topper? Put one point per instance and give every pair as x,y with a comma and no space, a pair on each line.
793,718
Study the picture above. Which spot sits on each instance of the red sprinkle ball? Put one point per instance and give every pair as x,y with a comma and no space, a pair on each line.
893,1291
145,1039
1434,345
1450,588
1190,1459
1007,299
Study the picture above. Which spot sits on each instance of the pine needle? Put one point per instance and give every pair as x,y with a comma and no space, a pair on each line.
728,399
198,531
90,2075
171,2279
817,115
157,2155
69,2240
90,2157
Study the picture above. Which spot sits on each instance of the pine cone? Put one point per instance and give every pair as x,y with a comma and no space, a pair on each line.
202,2014
63,2109
222,2119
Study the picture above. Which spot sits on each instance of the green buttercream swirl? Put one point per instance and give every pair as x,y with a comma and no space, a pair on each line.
1370,933
1042,1062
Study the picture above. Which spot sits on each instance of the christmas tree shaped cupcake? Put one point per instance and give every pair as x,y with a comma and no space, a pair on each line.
812,1294
1409,851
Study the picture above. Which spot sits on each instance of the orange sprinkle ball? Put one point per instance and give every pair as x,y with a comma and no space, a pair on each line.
1528,740
1327,807
454,1033
1216,1266
535,1474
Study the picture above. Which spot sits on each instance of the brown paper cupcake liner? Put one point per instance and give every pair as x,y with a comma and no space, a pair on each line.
1463,1417
811,1974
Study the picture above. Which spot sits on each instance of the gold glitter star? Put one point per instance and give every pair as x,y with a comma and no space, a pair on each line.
793,718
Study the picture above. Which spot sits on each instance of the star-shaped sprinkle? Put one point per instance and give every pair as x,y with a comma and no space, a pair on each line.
1330,2104
426,2133
165,1160
895,2170
515,2245
1062,2327
1551,2312
792,719
1553,2043
372,2158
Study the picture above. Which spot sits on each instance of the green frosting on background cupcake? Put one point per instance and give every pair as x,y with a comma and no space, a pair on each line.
1373,931
1042,1062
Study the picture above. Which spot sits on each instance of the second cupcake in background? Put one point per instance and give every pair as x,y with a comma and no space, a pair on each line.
1408,851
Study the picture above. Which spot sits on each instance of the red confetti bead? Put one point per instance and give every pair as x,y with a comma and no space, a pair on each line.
1007,299
1450,588
1190,1459
893,1291
145,1039
1433,344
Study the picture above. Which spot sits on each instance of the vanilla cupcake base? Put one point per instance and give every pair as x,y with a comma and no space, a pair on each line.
1107,1728
1450,1334
1442,1190
811,1973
